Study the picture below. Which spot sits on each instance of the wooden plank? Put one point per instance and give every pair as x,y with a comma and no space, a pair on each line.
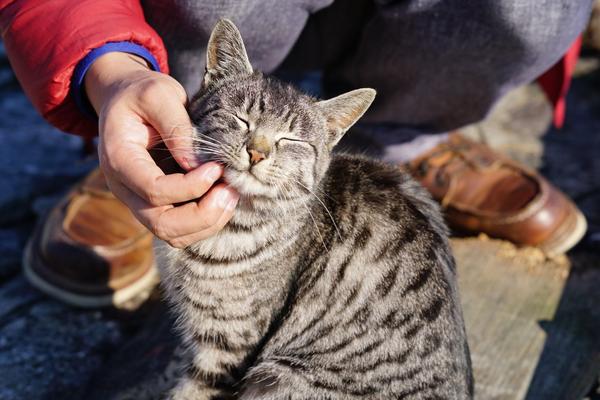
533,323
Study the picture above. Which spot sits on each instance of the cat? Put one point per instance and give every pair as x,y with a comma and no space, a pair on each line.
334,278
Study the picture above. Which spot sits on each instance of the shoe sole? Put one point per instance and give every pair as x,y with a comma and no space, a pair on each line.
126,298
567,237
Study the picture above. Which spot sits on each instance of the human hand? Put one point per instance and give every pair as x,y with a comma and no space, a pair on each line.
137,109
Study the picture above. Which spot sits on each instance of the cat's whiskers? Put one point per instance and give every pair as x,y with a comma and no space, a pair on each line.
204,140
279,201
191,129
304,202
198,146
322,204
196,138
282,175
284,210
303,199
209,148
275,179
297,196
207,142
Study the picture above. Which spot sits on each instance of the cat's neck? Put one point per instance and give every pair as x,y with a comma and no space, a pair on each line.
257,211
255,223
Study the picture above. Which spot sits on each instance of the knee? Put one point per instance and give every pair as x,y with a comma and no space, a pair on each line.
544,33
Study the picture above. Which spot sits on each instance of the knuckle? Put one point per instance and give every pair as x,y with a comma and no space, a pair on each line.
150,91
159,230
155,196
178,89
151,197
211,219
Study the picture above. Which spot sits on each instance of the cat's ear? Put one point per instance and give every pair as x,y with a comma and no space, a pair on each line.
343,111
225,54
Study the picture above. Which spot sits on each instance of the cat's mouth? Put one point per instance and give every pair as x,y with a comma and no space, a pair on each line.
248,183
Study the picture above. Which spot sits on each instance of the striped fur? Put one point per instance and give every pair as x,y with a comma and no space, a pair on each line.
333,280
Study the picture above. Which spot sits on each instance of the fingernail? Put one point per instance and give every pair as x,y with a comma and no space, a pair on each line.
213,173
190,163
223,198
231,205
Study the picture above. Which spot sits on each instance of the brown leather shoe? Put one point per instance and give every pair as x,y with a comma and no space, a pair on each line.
90,251
483,191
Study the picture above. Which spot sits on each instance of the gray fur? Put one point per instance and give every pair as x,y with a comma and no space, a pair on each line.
333,280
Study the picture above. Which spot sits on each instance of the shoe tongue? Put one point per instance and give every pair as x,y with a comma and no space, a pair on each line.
503,190
100,221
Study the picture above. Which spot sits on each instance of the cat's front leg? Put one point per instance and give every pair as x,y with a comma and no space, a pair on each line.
190,388
208,374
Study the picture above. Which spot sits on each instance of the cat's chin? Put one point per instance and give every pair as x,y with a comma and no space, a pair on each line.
247,184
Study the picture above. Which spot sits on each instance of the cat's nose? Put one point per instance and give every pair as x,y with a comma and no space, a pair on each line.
258,149
256,156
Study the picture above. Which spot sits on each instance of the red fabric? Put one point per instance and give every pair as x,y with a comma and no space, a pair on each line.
556,81
46,39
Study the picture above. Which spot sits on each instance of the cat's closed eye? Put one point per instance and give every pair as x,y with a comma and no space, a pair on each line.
290,140
242,122
294,144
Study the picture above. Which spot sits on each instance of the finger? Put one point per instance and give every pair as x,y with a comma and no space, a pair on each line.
198,216
142,210
151,218
187,240
167,114
132,165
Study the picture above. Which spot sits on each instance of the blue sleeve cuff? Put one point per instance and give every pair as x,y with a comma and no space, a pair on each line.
77,87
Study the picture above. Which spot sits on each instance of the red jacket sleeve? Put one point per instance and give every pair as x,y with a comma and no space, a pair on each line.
45,40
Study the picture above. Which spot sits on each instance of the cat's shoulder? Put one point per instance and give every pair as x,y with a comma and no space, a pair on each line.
381,188
363,174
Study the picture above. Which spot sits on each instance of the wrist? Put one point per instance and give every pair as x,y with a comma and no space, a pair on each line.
108,72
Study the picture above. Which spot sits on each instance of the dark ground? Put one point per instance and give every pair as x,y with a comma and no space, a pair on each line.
51,351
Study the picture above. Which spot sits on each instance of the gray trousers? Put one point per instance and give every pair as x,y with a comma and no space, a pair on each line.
437,65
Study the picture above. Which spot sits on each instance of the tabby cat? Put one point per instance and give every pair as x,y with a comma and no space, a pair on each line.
334,278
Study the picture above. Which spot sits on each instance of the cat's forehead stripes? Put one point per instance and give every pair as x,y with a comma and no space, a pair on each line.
268,104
